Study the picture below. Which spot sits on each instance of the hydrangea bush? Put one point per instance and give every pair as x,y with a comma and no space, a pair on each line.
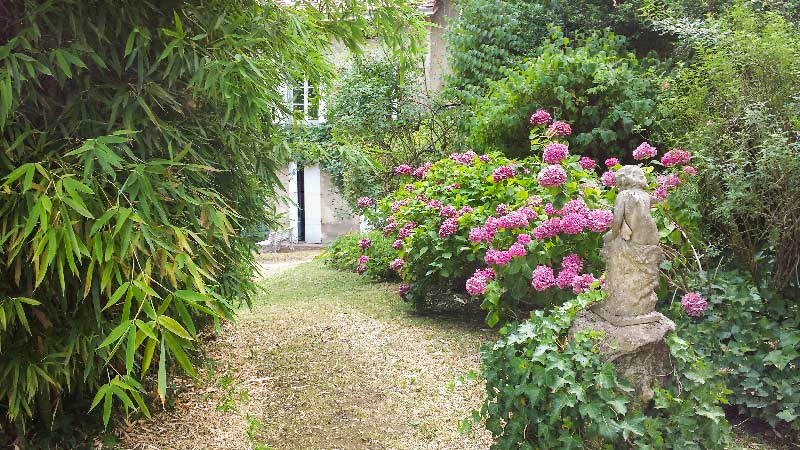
515,233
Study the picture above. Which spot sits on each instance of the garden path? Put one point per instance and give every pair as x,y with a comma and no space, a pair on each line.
325,360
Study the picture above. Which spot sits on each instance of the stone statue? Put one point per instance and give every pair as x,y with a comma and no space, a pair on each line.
633,331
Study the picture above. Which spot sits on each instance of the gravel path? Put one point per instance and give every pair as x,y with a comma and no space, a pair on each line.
326,361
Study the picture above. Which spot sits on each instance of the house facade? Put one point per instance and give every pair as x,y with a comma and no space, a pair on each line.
313,211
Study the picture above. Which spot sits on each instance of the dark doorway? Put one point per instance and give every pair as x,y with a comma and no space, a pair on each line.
301,204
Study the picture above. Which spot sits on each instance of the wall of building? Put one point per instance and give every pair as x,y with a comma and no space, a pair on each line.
337,217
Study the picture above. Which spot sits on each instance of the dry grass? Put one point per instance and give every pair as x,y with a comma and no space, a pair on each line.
325,361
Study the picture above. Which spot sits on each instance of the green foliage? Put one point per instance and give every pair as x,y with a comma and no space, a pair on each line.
134,148
547,391
738,106
594,83
343,254
753,336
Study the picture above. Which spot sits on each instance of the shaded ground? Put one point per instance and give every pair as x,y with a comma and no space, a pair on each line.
325,361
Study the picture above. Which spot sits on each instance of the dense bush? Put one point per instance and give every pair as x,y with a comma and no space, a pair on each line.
545,391
594,83
134,145
498,227
755,340
738,106
344,254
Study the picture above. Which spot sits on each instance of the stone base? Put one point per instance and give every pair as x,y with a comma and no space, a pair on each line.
638,350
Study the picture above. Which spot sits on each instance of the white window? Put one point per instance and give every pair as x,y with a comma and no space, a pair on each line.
304,98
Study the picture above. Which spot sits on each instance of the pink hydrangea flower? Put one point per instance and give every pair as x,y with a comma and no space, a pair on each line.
502,173
676,157
452,187
421,171
611,162
390,226
565,279
527,212
484,158
397,244
542,278
660,193
501,209
487,273
572,263
364,243
599,220
554,153
361,269
406,230
434,204
534,200
403,169
581,283
364,202
398,204
690,170
540,117
547,229
363,259
408,187
644,151
497,257
448,211
397,263
575,206
448,227
587,163
552,176
559,128
573,223
524,239
517,249
693,304
608,179
464,158
669,181
465,210
476,286
477,234
512,220
550,210
402,290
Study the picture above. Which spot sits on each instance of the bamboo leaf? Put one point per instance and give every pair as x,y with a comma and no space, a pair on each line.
173,326
115,334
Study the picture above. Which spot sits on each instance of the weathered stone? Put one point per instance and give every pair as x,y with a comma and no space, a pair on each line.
633,331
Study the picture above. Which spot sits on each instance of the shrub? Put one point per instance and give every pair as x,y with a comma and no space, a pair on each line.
344,253
545,391
755,341
496,227
594,83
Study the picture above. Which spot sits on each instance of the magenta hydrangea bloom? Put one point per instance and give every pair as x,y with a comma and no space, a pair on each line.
676,157
497,257
398,204
660,193
598,220
361,269
534,200
690,170
550,210
575,206
644,151
540,117
501,209
406,230
487,273
421,171
552,176
669,181
559,128
517,249
611,162
524,239
484,158
527,212
608,179
512,220
465,210
363,259
402,290
572,262
364,202
555,152
397,244
435,204
465,158
565,279
573,223
403,169
542,278
448,228
476,286
448,211
408,187
364,243
390,226
397,263
581,283
587,163
502,173
451,187
547,229
693,304
477,234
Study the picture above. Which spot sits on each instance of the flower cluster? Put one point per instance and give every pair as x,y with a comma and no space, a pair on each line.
502,173
552,176
364,202
693,304
448,228
464,158
586,163
576,217
555,153
559,128
406,230
364,243
476,285
402,290
644,151
421,171
676,157
608,179
403,169
397,263
448,211
543,277
540,117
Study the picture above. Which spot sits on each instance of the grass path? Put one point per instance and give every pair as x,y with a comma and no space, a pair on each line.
325,360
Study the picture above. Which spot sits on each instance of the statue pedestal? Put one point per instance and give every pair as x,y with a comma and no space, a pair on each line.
638,350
